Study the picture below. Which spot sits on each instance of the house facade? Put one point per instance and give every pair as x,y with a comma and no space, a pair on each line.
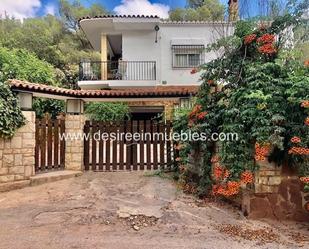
145,52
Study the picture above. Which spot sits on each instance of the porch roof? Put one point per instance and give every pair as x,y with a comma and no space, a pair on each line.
42,90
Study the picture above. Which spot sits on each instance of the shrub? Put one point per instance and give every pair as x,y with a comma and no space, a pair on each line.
23,65
51,106
109,112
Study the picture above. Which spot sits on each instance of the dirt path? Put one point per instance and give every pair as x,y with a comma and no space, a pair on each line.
128,211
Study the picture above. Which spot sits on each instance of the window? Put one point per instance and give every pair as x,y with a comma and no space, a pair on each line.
185,103
188,56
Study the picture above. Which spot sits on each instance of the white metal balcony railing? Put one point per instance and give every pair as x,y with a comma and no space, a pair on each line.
117,70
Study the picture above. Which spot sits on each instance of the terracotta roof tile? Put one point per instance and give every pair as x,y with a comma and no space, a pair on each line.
118,16
158,91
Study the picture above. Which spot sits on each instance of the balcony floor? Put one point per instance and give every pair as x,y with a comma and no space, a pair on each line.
100,84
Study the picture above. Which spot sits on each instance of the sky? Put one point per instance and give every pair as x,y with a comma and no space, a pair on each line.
30,8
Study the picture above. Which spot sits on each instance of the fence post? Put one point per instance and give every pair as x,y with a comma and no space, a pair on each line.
74,146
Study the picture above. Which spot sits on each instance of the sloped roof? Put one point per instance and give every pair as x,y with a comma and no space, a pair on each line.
149,92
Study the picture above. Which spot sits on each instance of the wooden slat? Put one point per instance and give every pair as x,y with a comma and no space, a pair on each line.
115,152
129,146
86,145
155,147
62,144
43,144
148,144
49,144
168,145
94,146
162,142
141,150
37,144
56,143
101,146
121,147
108,146
134,146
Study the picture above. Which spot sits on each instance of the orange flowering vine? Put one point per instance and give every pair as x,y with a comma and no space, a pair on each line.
246,177
196,114
305,104
201,115
220,173
307,121
215,159
261,151
299,151
249,39
295,140
266,38
306,63
196,109
304,179
229,189
267,48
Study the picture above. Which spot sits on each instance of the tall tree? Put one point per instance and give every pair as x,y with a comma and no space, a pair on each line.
207,10
70,13
195,3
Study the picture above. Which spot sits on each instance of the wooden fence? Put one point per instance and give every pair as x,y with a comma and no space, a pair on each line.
149,147
49,148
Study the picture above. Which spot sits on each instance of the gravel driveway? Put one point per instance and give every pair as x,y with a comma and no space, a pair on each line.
130,210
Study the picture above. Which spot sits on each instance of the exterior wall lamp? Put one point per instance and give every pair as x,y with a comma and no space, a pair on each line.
157,28
25,100
74,106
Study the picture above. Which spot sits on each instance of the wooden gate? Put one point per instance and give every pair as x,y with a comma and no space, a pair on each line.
49,148
146,151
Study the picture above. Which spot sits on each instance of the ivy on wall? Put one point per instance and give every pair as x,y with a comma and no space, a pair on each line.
11,116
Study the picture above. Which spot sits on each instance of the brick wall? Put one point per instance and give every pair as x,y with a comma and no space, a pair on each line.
17,153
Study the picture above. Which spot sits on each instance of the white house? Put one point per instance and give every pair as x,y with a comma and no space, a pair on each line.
145,51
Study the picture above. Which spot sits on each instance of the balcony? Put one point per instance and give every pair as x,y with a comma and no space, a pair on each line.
96,74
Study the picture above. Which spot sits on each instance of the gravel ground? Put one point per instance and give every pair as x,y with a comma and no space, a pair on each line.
130,210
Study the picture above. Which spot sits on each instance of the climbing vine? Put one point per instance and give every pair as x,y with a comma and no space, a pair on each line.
259,89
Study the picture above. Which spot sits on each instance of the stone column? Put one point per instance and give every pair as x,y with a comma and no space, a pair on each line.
74,148
17,153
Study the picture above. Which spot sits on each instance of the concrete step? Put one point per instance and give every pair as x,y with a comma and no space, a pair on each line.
8,186
53,176
40,179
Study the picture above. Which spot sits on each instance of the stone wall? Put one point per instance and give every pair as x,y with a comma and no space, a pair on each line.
287,203
278,194
17,153
74,149
267,178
